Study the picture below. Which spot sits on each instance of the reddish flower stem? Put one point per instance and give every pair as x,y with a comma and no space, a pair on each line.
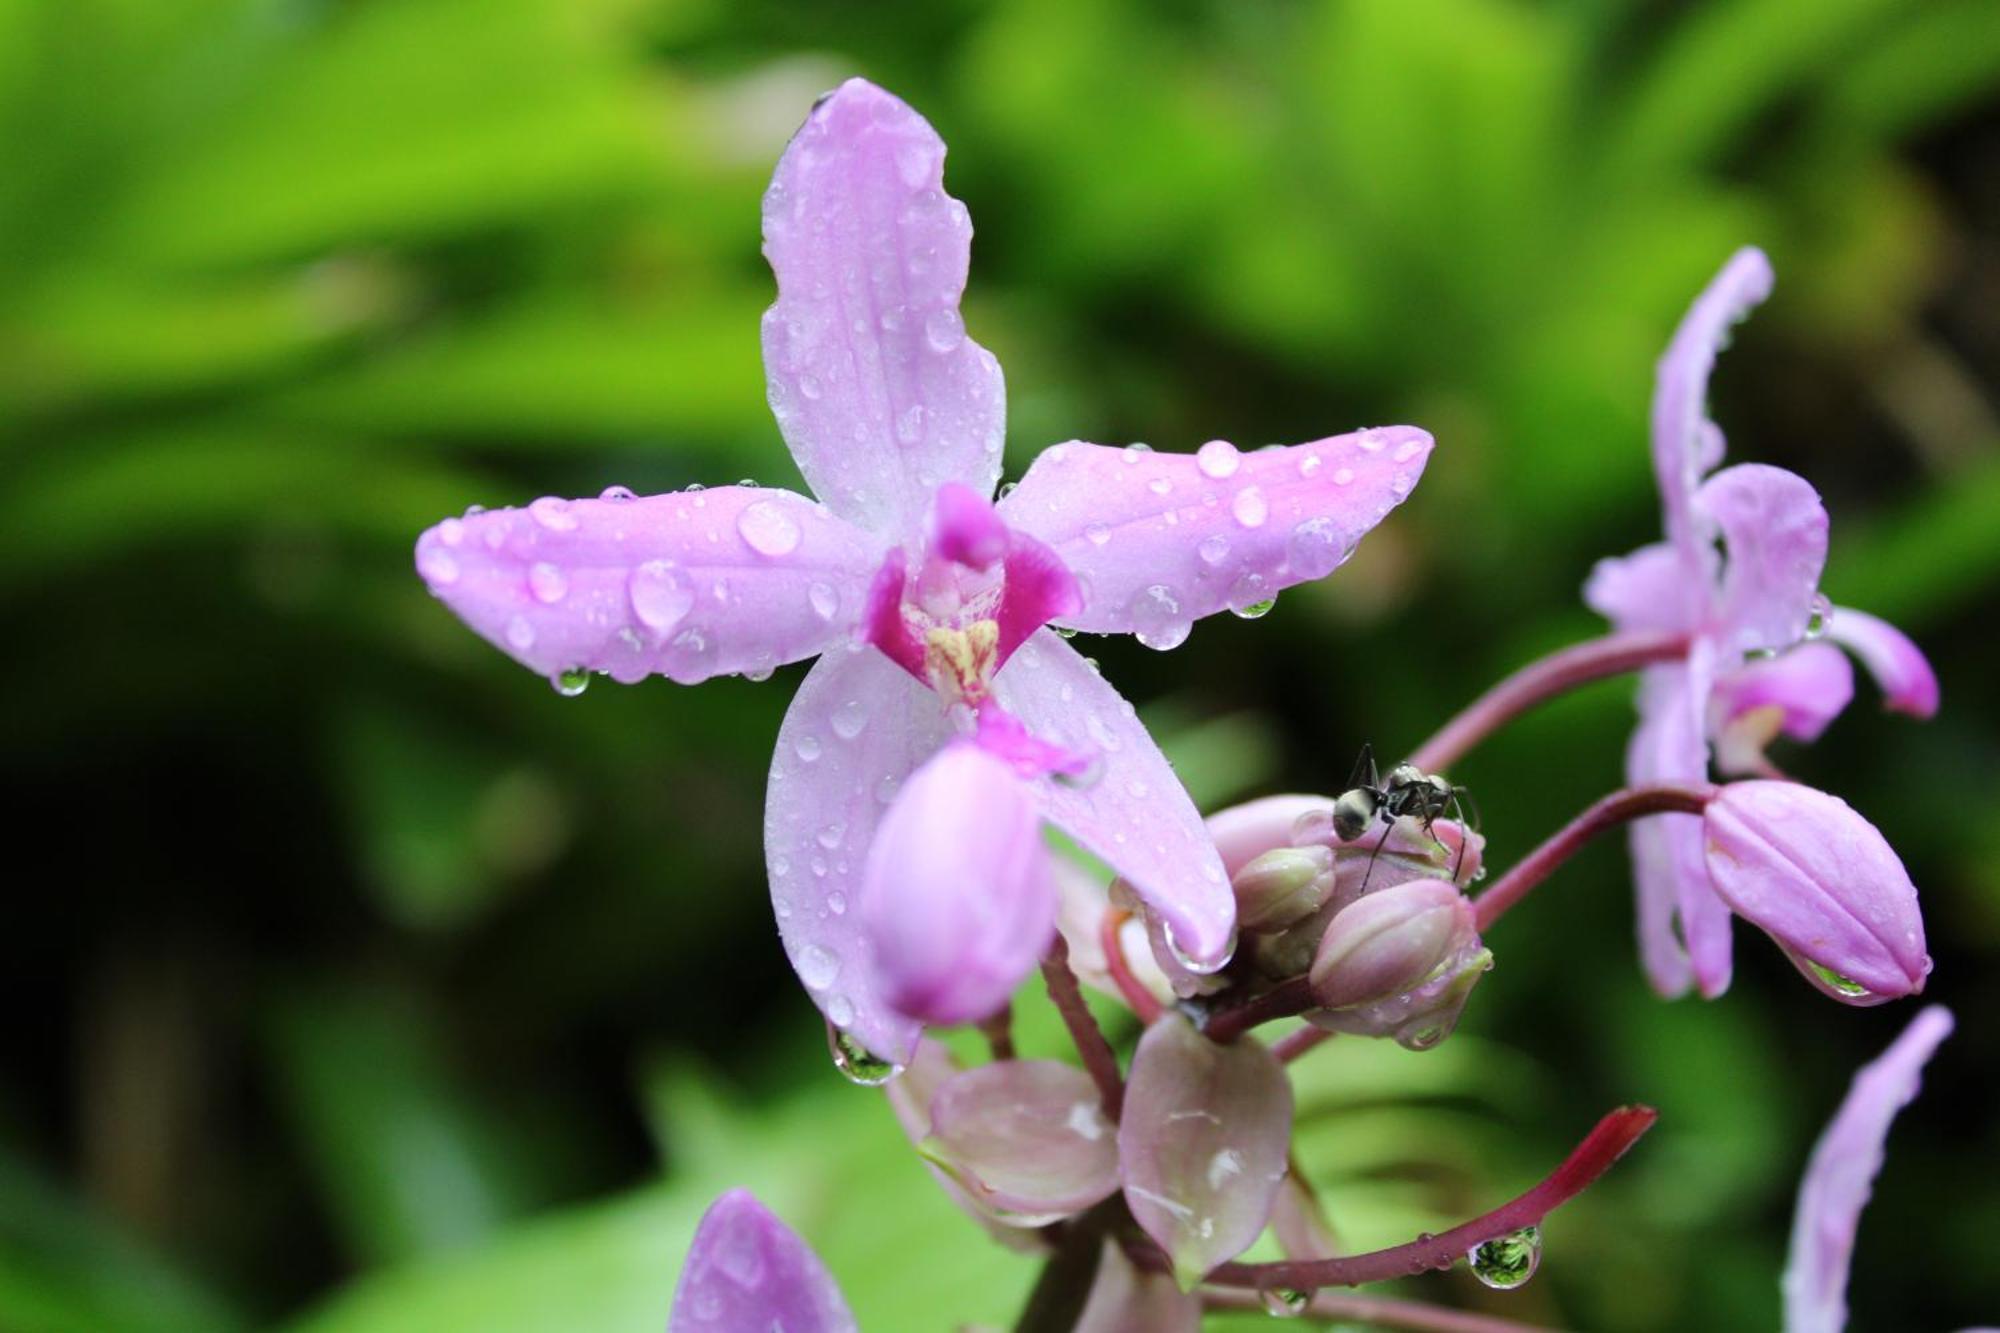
999,1033
1136,995
1281,1001
1099,1061
1604,1145
1618,808
1295,1044
1558,673
1379,1311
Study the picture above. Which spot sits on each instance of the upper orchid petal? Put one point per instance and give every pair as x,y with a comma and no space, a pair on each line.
1774,527
1653,588
1806,687
1686,444
856,729
1841,1175
1160,540
879,393
1898,665
1669,746
746,1269
689,585
1136,816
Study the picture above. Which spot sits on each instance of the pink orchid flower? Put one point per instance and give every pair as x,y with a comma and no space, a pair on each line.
1841,1175
1750,671
926,601
748,1270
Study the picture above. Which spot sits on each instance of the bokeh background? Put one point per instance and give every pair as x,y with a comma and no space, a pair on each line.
358,982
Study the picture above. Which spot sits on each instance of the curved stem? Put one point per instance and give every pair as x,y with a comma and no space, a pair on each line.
999,1033
1122,976
1381,1311
1558,673
1281,1001
1099,1061
1604,1145
1618,808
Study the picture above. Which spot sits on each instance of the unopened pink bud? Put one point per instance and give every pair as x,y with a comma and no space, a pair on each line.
958,899
1817,878
1282,887
1389,943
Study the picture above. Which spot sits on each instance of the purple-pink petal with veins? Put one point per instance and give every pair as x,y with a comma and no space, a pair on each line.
1203,1143
1806,687
880,394
1686,444
1242,833
748,1270
1898,665
1126,1299
910,1096
1161,540
1841,1175
1653,588
1136,816
688,585
966,527
1774,527
1027,1139
1669,746
958,900
1823,883
855,731
1039,588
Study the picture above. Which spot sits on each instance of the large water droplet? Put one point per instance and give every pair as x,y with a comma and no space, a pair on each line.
831,834
1284,1302
809,388
616,494
546,582
1098,533
849,719
856,1063
1157,618
452,531
438,566
1507,1261
808,747
1838,982
1159,485
817,966
1249,507
943,329
1309,464
553,514
768,529
1214,549
825,601
571,681
660,595
1254,610
1218,459
1315,548
1817,617
1250,592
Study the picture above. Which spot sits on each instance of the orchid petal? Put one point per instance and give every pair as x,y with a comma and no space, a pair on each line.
1898,665
910,1096
689,585
969,530
1774,527
1161,540
878,391
746,1269
1669,746
1025,1138
1653,588
1136,816
1841,1175
1085,901
1203,1143
1798,693
856,729
1686,443
1299,1222
1125,1299
958,900
1242,833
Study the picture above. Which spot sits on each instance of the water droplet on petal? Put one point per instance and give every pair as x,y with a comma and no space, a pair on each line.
1159,485
1817,617
1370,441
1838,982
943,329
1249,507
1407,450
830,836
836,903
1284,1302
1254,610
809,388
1098,533
660,595
849,719
1218,459
856,1063
768,529
520,634
1248,593
1214,549
817,966
1157,618
1505,1262
617,494
825,601
1309,464
553,514
1343,476
1315,548
546,582
437,565
910,424
808,747
571,681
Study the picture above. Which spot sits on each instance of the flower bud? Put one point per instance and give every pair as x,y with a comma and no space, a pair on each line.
958,899
1817,878
1420,1018
1282,887
1389,943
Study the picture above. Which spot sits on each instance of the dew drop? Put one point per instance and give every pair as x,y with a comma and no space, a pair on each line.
817,966
1315,548
836,903
849,719
1214,549
829,837
452,531
1343,476
1218,459
1508,1261
1254,610
1098,533
1249,593
1838,982
1369,441
661,597
438,566
943,329
1159,485
1134,452
910,424
520,634
1407,450
546,582
807,746
1157,618
617,494
1309,464
825,601
768,529
1284,1302
553,514
1249,507
571,681
856,1063
809,388
1817,617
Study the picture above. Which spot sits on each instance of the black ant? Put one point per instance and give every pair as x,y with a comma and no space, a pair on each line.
1409,791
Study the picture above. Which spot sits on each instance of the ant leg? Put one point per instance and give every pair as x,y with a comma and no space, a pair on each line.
1388,827
1460,799
1363,763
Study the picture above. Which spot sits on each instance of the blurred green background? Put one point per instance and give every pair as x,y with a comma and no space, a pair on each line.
360,983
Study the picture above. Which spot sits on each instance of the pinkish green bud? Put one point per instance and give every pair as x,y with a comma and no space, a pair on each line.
1282,887
1389,943
1420,1018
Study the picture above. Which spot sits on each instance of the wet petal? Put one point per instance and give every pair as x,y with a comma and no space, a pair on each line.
1025,1138
746,1269
1124,1299
1203,1143
1841,1175
1774,527
910,1098
1161,540
1085,901
1820,880
958,899
1242,833
856,730
689,585
1653,588
1898,665
880,394
1668,746
1136,816
1686,443
1796,693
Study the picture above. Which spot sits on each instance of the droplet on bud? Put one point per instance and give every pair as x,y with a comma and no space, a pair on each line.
1284,1302
856,1063
571,682
1508,1261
